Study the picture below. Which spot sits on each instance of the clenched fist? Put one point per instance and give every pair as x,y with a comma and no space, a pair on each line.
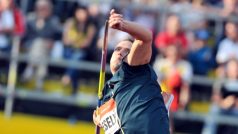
115,20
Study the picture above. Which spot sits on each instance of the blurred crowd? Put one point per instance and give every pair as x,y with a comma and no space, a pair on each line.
191,37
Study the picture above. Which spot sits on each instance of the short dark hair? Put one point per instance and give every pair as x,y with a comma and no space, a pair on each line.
232,21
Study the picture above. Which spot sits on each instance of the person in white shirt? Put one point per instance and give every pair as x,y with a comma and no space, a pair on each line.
6,23
228,48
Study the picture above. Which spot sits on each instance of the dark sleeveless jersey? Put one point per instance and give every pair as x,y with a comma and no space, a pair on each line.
140,105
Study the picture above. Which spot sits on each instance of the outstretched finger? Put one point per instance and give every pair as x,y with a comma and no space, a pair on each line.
112,11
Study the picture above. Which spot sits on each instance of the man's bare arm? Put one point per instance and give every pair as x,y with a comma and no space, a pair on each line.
141,50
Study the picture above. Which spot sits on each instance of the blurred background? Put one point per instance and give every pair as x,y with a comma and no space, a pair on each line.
50,53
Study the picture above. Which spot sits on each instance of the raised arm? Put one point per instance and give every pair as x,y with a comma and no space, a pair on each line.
141,49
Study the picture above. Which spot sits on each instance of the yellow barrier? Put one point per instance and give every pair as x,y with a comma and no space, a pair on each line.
28,124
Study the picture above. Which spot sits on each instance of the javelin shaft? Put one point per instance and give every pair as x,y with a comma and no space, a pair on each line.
103,62
102,69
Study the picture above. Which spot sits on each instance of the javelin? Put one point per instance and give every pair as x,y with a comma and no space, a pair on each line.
102,69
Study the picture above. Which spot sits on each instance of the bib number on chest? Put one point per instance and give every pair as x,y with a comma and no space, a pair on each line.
109,119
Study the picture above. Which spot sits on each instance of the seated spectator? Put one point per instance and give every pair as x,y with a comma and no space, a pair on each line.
77,38
11,24
42,31
225,95
201,55
174,75
228,94
228,48
172,35
229,8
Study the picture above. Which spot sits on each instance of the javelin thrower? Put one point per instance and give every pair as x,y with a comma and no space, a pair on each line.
131,100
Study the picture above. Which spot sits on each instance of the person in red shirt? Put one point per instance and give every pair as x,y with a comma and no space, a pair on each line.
173,34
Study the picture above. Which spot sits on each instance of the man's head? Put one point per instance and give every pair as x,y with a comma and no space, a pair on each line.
231,30
43,8
173,25
120,52
173,52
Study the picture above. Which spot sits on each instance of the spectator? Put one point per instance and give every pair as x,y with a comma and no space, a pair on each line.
95,15
225,95
201,55
77,38
229,8
228,48
175,76
6,31
11,24
230,87
97,19
6,24
42,31
172,35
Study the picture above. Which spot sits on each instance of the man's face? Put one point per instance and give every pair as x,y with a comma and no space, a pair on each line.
173,25
231,31
120,52
172,52
43,9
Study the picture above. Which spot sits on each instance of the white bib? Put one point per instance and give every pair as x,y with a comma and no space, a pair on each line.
109,119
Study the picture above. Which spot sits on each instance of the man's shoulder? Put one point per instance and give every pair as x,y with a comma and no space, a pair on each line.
226,42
